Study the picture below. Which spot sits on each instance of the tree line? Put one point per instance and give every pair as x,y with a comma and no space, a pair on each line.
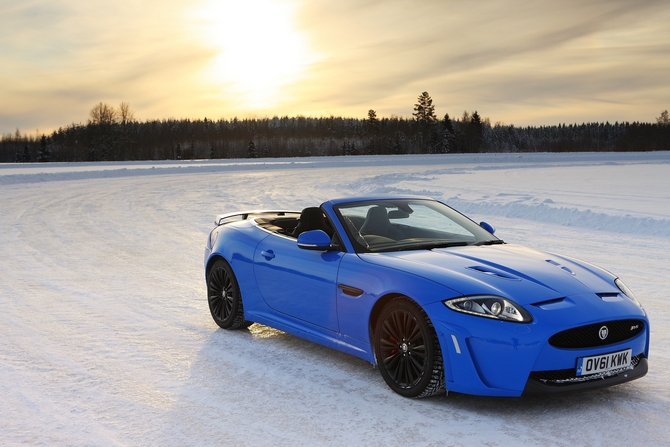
113,134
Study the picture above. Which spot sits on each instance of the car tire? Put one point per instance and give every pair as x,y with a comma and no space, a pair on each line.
223,295
407,350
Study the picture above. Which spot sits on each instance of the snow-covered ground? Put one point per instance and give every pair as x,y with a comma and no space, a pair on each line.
107,339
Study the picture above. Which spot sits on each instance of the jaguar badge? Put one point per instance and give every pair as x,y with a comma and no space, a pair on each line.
603,333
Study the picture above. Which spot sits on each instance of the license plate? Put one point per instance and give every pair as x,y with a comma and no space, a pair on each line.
604,363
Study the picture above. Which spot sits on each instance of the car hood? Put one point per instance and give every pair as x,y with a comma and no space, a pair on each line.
527,276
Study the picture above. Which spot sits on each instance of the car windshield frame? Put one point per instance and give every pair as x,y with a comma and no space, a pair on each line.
416,224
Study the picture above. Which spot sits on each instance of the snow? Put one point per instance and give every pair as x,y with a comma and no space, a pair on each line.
107,339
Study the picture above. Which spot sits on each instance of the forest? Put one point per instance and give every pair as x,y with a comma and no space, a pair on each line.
113,134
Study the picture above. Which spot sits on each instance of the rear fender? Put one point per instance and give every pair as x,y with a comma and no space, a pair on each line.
236,245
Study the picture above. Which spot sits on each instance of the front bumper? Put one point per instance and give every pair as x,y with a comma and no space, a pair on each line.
495,358
538,383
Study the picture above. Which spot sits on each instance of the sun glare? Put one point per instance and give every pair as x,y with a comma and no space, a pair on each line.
259,50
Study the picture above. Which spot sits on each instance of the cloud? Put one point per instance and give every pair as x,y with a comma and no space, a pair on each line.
59,58
522,62
498,54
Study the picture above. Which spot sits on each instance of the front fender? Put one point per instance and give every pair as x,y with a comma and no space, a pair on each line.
361,285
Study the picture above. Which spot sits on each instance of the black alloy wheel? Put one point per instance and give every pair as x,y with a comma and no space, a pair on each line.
225,301
408,351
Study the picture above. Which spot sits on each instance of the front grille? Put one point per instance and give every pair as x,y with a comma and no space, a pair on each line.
591,336
567,376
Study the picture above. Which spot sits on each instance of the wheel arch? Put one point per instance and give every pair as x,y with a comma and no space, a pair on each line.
211,261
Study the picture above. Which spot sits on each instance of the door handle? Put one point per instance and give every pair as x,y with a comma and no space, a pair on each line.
268,254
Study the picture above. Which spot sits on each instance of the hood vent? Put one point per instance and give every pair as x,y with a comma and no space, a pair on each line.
610,297
544,303
494,273
555,304
562,267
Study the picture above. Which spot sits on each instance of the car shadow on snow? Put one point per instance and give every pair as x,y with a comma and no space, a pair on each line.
263,354
238,375
264,348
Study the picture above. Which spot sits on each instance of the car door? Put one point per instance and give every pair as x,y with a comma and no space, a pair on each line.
297,282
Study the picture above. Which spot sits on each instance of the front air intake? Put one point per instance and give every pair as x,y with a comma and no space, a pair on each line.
597,334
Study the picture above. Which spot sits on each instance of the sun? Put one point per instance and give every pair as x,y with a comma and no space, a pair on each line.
258,48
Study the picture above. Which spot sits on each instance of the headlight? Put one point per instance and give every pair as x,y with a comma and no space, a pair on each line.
626,291
490,307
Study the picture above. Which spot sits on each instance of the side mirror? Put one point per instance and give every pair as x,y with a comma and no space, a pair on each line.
488,227
314,240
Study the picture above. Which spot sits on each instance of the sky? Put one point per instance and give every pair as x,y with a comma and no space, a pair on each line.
515,62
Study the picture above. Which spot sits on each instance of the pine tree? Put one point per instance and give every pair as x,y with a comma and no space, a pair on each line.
22,156
44,154
251,150
372,121
448,126
372,127
399,142
447,142
349,148
92,153
477,131
424,110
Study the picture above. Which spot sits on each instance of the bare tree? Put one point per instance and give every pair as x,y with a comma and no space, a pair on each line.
663,120
103,114
125,114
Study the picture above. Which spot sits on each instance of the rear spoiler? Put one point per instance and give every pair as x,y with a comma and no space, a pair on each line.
223,219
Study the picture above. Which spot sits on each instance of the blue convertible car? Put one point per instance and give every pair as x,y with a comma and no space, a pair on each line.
432,298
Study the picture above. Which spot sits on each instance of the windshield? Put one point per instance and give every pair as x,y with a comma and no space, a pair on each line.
394,225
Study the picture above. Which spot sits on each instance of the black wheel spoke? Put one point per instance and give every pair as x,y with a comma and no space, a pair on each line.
393,365
415,335
416,363
390,329
410,373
